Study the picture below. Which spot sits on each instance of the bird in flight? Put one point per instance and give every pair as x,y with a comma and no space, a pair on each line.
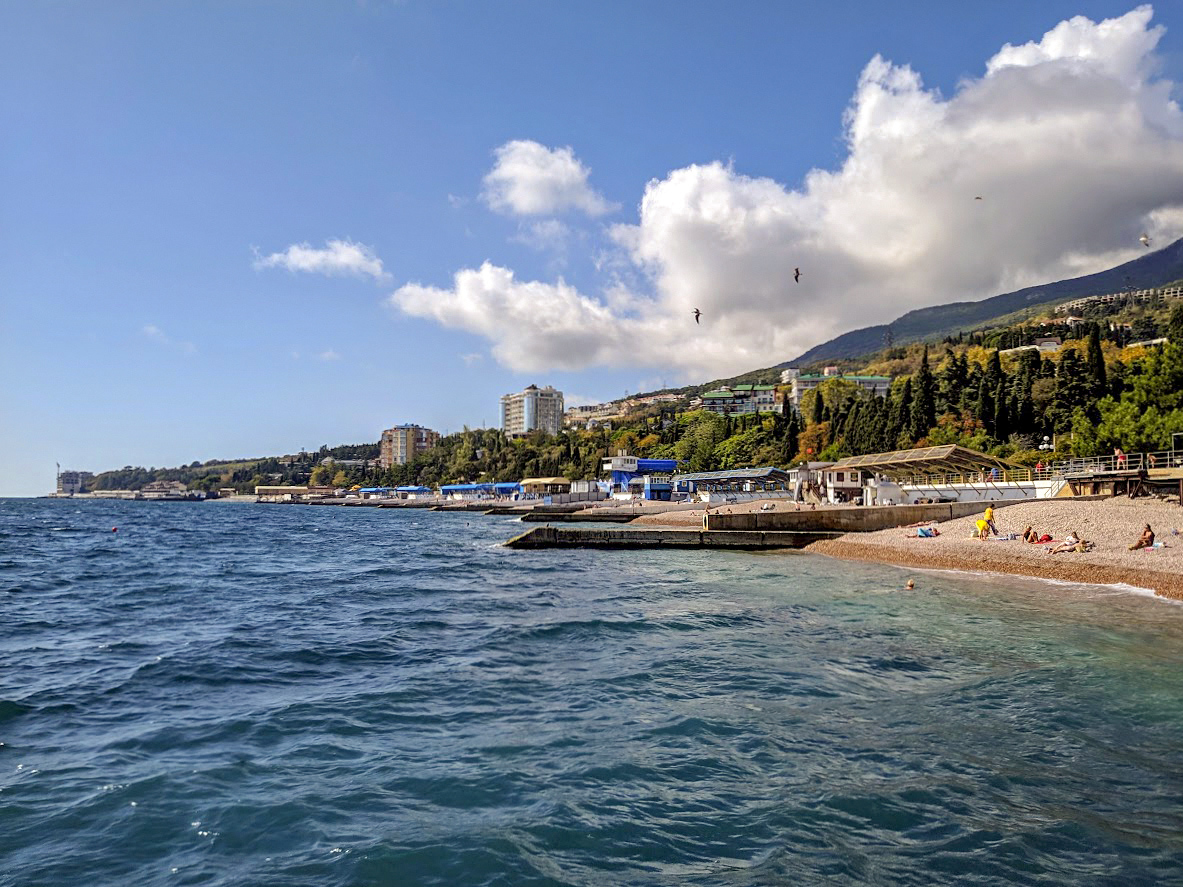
977,198
1145,240
796,275
697,314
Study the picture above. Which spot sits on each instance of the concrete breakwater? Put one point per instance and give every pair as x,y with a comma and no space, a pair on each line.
582,537
856,519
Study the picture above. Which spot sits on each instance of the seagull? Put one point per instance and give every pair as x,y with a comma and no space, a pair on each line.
796,275
977,198
1145,240
697,314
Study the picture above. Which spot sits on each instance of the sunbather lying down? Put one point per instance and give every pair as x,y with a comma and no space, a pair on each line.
923,533
1073,542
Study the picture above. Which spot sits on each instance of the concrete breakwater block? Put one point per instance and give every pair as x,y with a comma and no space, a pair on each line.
588,537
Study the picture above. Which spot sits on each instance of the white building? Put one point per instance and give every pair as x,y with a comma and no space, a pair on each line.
802,383
70,482
535,409
742,399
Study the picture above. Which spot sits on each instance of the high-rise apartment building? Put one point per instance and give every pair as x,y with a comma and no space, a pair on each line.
535,409
402,443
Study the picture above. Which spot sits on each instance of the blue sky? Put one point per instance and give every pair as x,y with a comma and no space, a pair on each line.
240,229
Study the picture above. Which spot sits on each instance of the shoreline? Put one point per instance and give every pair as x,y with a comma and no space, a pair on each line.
1168,585
1112,524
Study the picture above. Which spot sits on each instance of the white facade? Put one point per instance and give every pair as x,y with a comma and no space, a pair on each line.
879,386
70,482
535,409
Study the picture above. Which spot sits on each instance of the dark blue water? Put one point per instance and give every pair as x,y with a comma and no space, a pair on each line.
245,695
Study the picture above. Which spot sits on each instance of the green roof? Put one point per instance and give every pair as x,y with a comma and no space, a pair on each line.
844,376
718,394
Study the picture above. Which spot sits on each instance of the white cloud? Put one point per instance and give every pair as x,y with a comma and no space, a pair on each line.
1073,144
548,235
328,355
337,257
530,179
472,359
156,334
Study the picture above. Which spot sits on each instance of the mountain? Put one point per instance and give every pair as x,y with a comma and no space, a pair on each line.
1153,269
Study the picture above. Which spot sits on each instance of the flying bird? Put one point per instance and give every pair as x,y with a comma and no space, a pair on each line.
796,275
977,198
697,314
1145,240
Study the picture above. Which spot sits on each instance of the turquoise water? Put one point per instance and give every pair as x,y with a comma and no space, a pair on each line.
256,695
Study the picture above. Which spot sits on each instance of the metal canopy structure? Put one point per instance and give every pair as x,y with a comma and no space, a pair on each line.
948,459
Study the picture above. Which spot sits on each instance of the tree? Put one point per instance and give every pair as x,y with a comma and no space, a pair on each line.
923,401
819,407
1175,324
1096,362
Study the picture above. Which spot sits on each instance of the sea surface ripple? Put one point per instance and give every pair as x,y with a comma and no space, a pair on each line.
261,695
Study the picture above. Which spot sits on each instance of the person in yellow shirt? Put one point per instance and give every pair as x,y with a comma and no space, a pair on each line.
989,518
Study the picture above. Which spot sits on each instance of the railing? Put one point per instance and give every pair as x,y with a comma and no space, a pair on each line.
1084,465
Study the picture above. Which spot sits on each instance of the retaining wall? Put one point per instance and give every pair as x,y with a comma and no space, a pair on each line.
847,520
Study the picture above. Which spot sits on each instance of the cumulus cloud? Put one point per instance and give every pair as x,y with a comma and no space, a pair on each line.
529,179
338,257
1071,141
328,355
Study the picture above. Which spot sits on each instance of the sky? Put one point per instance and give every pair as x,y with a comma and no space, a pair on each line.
236,230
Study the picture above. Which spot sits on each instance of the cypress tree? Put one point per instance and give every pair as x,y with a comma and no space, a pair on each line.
985,408
1096,362
819,406
923,415
1001,417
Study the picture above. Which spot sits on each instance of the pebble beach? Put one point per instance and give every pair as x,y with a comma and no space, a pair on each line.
1111,524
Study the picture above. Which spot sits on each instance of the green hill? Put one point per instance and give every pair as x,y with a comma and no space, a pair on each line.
1153,269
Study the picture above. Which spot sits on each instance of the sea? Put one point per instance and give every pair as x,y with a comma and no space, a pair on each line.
220,694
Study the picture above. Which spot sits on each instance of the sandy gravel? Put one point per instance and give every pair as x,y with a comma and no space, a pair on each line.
1112,524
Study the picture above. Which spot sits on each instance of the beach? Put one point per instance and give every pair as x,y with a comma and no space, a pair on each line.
1111,524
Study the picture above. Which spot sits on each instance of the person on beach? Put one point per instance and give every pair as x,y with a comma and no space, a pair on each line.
1119,456
983,529
989,516
923,533
1146,540
1073,542
1030,535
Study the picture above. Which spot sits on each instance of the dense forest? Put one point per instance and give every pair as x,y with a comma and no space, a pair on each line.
1089,396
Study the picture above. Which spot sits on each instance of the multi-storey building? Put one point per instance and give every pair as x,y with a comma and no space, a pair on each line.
70,482
742,399
402,443
535,409
876,385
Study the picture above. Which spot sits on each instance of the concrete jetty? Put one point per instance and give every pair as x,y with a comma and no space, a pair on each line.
582,537
852,519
